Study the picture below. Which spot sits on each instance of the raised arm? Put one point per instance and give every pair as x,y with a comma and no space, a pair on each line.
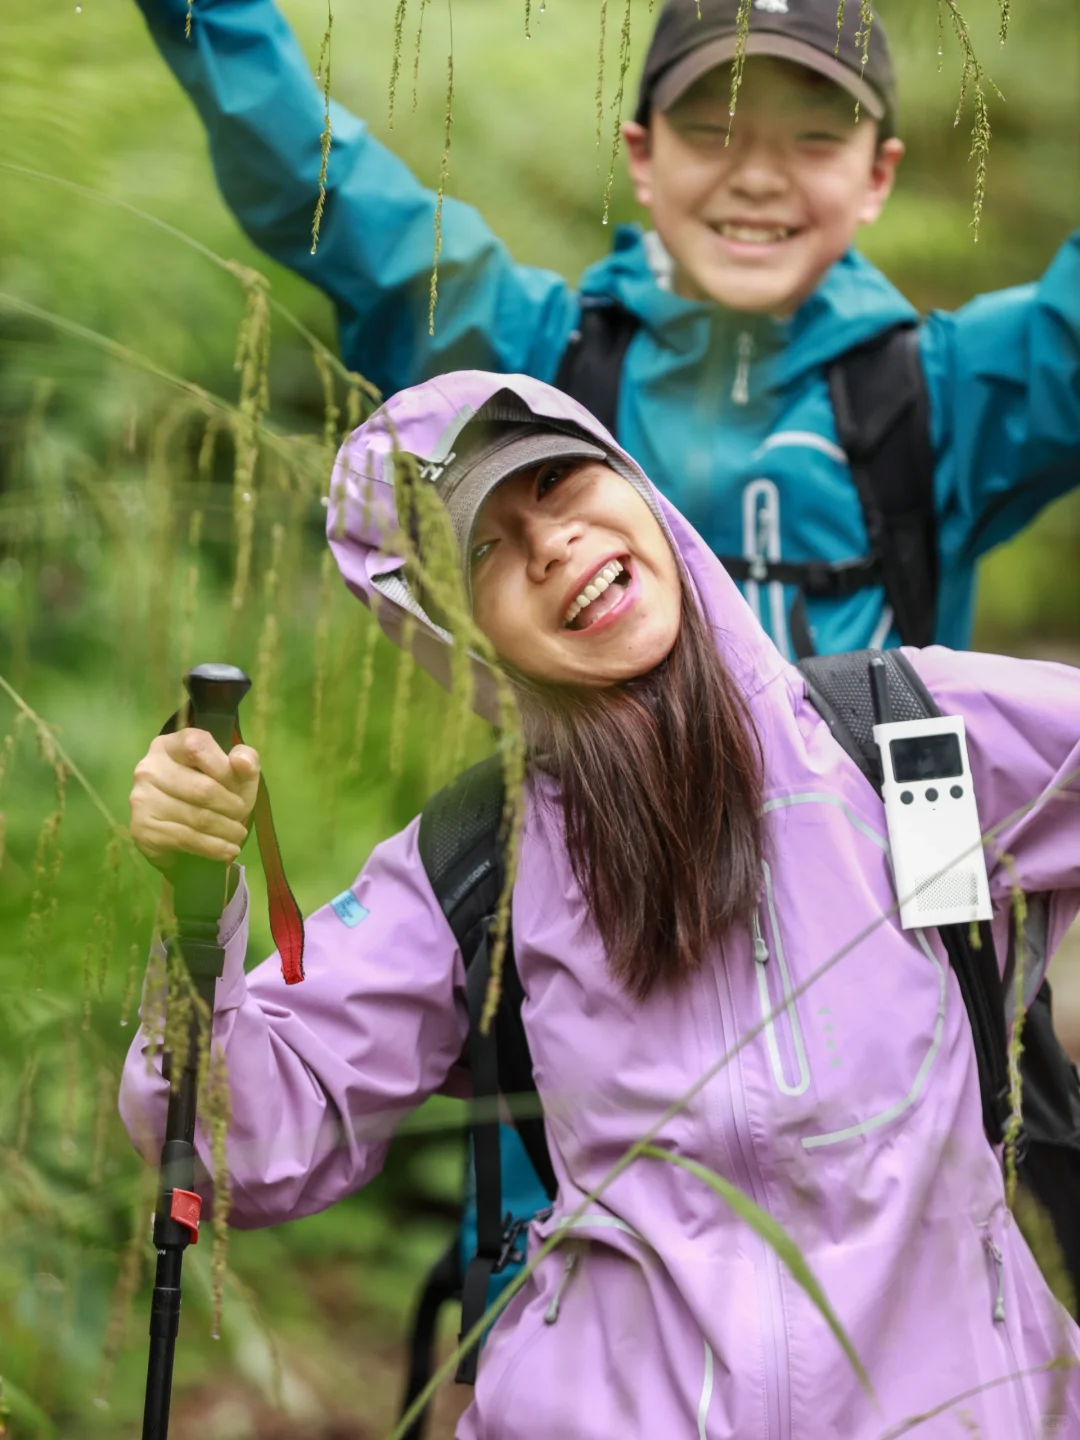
1004,378
319,1073
263,114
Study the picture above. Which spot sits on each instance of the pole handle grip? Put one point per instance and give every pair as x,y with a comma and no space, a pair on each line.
216,692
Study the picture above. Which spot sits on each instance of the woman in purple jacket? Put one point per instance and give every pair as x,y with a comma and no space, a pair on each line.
695,848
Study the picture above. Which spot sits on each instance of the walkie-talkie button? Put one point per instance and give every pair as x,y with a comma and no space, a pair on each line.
906,796
956,791
931,794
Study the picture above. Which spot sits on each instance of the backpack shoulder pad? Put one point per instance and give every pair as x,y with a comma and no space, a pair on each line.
460,845
838,687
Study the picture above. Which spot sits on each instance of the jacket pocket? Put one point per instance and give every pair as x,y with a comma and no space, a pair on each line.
604,1345
1003,1313
783,1033
853,1055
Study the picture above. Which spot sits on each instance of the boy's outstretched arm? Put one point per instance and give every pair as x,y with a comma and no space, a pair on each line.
1004,380
263,113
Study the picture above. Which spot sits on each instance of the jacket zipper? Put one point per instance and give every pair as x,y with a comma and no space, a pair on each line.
744,350
761,544
997,1263
777,1397
772,1014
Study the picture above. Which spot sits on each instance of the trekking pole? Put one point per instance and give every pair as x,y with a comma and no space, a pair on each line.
200,890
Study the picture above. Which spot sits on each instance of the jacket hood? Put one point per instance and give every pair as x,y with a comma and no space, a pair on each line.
425,421
853,303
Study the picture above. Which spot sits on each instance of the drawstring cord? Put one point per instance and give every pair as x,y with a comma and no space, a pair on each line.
999,1266
551,1314
761,950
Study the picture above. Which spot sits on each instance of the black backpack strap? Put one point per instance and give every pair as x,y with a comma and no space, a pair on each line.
590,370
839,690
838,687
443,1284
461,846
487,1158
882,415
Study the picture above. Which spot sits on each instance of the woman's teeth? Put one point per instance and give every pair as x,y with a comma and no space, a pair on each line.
595,588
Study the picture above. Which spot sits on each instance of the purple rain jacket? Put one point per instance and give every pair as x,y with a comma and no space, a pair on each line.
852,1115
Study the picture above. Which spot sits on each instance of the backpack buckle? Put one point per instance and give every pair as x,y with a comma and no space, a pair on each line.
509,1254
1020,1146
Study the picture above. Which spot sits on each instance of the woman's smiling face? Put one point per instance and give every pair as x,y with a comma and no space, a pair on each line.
573,580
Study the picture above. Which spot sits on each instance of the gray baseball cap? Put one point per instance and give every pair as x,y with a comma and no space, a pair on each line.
493,453
691,39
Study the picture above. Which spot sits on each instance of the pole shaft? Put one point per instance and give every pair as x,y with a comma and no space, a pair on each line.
199,890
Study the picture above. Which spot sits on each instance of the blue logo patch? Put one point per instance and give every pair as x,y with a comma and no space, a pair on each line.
348,909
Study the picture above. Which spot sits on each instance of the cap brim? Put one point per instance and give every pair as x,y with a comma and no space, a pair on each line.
678,78
464,499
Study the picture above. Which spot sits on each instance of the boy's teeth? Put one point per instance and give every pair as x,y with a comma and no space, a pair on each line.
596,587
755,234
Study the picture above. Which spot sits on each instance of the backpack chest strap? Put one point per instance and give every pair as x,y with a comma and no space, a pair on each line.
817,579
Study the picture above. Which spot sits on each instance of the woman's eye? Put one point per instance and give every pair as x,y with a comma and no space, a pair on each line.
480,552
549,476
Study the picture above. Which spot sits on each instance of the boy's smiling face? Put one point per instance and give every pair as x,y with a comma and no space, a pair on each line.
755,224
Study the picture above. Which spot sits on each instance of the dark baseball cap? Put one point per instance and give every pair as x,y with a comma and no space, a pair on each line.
494,453
692,38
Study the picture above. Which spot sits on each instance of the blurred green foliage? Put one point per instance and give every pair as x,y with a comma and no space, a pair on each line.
99,481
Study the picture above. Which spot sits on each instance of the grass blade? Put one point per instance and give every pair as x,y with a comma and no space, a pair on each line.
778,1240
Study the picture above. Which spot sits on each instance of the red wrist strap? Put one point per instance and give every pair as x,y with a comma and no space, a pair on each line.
286,921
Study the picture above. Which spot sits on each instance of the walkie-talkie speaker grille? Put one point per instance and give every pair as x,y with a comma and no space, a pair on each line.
954,889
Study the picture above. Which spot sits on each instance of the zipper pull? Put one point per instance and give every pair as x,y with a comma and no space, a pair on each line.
761,950
551,1314
999,1266
744,349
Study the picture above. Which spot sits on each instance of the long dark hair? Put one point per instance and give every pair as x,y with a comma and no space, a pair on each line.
661,782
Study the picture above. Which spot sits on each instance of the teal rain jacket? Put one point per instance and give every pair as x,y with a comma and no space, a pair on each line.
728,413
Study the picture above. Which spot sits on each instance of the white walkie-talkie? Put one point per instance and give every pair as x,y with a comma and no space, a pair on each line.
938,863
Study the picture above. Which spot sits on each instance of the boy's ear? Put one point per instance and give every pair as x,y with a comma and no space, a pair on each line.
882,176
638,141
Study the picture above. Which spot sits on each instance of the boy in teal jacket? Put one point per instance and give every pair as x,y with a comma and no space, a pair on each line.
743,293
